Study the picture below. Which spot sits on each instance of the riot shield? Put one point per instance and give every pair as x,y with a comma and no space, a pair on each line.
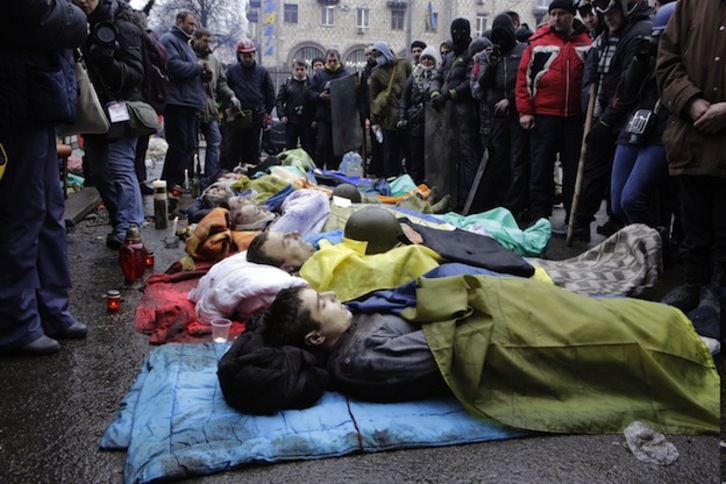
439,163
347,132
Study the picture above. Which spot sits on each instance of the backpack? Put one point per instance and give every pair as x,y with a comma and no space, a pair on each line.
154,60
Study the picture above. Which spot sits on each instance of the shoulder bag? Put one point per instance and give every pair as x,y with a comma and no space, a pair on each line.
90,116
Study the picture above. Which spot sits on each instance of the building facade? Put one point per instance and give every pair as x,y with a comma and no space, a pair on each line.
287,30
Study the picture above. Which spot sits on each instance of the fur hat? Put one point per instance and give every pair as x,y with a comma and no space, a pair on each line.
564,5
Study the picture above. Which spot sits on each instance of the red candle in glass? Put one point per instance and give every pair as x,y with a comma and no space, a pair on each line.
113,301
132,255
149,258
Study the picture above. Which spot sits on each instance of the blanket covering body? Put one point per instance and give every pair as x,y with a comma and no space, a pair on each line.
537,357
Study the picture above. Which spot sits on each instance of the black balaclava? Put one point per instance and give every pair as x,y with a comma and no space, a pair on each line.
503,32
460,35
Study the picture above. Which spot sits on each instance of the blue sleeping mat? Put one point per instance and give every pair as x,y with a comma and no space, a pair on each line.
174,422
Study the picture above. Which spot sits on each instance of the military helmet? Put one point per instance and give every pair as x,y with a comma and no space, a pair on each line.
349,191
374,225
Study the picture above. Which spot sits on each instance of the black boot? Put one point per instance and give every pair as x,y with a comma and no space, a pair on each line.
685,297
698,272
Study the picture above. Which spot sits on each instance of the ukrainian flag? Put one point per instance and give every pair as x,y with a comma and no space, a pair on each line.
430,18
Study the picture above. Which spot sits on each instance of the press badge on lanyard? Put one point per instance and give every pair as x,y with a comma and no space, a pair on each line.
117,112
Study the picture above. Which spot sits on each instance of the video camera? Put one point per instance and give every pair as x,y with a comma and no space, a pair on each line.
105,35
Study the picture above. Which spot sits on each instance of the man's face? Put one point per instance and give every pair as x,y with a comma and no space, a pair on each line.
203,43
289,247
332,60
318,66
300,71
561,21
248,214
325,309
88,6
614,19
188,25
370,60
416,53
247,58
590,20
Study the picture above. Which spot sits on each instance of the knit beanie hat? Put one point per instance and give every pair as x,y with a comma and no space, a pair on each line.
564,5
418,43
431,51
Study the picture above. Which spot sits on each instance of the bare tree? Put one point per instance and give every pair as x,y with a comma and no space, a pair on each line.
225,18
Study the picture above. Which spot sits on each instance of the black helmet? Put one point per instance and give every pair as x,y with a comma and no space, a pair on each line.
374,225
349,191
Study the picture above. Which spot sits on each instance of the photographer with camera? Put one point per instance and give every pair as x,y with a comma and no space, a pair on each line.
639,166
113,56
509,142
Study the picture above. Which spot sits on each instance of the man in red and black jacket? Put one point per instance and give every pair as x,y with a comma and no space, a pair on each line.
549,105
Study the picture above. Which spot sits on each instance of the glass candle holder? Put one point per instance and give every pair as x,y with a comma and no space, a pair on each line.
113,301
149,259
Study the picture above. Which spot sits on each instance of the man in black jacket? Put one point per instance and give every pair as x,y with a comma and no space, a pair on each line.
451,84
291,104
252,85
39,91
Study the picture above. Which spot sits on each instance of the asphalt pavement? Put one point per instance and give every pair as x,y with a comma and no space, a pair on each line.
54,409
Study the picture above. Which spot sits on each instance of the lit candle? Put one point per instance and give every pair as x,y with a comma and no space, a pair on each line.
113,301
186,179
150,259
173,226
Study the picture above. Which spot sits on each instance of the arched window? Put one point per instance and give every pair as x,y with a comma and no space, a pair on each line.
356,61
307,54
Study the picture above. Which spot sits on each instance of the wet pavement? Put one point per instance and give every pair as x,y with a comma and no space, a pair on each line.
54,409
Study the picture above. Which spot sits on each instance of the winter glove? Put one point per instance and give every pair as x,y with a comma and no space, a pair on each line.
376,128
599,134
437,101
236,104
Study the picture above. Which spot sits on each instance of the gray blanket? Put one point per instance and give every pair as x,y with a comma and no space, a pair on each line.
625,264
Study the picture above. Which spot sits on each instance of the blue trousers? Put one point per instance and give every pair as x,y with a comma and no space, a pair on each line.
638,172
113,165
34,273
213,137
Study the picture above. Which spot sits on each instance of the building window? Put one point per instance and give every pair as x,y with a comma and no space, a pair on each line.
356,61
362,18
290,13
482,21
327,16
397,19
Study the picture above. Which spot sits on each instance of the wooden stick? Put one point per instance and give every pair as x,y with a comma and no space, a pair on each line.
581,164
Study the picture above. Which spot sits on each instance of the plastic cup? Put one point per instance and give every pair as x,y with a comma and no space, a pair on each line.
220,330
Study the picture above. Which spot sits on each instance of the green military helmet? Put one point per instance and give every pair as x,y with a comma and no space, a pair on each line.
349,191
374,225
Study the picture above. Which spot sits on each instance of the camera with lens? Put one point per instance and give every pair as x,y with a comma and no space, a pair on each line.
105,34
638,125
646,47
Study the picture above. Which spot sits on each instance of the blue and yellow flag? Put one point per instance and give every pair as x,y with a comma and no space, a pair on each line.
430,17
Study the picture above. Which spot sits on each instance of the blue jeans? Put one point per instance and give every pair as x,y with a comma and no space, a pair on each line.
213,137
34,273
638,172
112,163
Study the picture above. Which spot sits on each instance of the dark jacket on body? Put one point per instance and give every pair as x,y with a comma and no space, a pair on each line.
253,87
291,101
185,82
